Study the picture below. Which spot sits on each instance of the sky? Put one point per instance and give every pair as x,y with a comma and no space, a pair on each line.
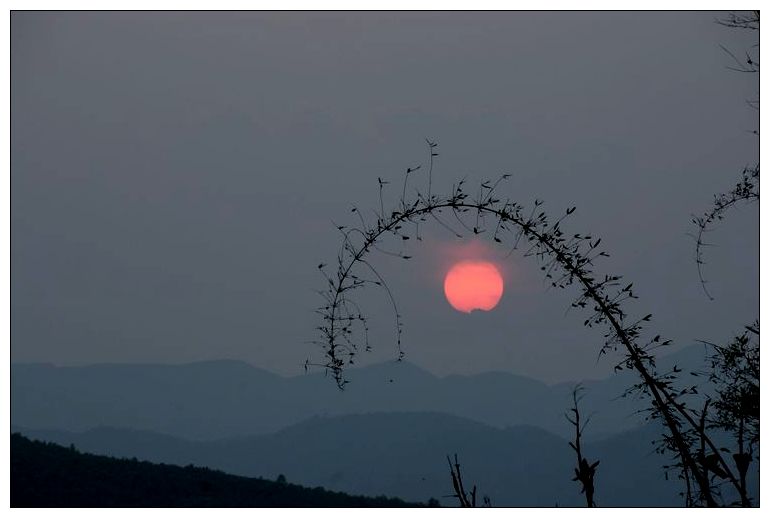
176,178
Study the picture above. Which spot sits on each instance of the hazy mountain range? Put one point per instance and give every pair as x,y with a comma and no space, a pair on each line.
404,455
388,433
221,399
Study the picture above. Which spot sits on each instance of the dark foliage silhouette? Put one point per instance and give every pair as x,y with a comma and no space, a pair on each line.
48,475
734,372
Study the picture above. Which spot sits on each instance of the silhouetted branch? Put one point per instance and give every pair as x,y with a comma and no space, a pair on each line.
750,65
708,462
746,190
464,498
585,471
457,484
744,21
748,20
567,260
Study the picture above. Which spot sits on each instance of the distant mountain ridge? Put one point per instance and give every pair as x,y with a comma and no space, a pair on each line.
220,399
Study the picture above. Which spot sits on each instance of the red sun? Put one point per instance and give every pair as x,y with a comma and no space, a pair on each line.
473,285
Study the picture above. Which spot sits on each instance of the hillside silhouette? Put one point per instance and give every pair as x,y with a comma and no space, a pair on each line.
48,475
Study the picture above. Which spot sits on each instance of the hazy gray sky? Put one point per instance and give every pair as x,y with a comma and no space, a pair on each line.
175,176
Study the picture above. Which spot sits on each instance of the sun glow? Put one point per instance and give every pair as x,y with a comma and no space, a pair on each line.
471,285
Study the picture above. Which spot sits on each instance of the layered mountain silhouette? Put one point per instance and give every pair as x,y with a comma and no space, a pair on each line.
219,399
388,433
404,455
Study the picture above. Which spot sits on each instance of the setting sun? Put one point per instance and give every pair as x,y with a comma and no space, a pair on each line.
473,285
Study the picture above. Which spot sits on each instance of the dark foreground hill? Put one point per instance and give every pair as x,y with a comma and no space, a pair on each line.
48,475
